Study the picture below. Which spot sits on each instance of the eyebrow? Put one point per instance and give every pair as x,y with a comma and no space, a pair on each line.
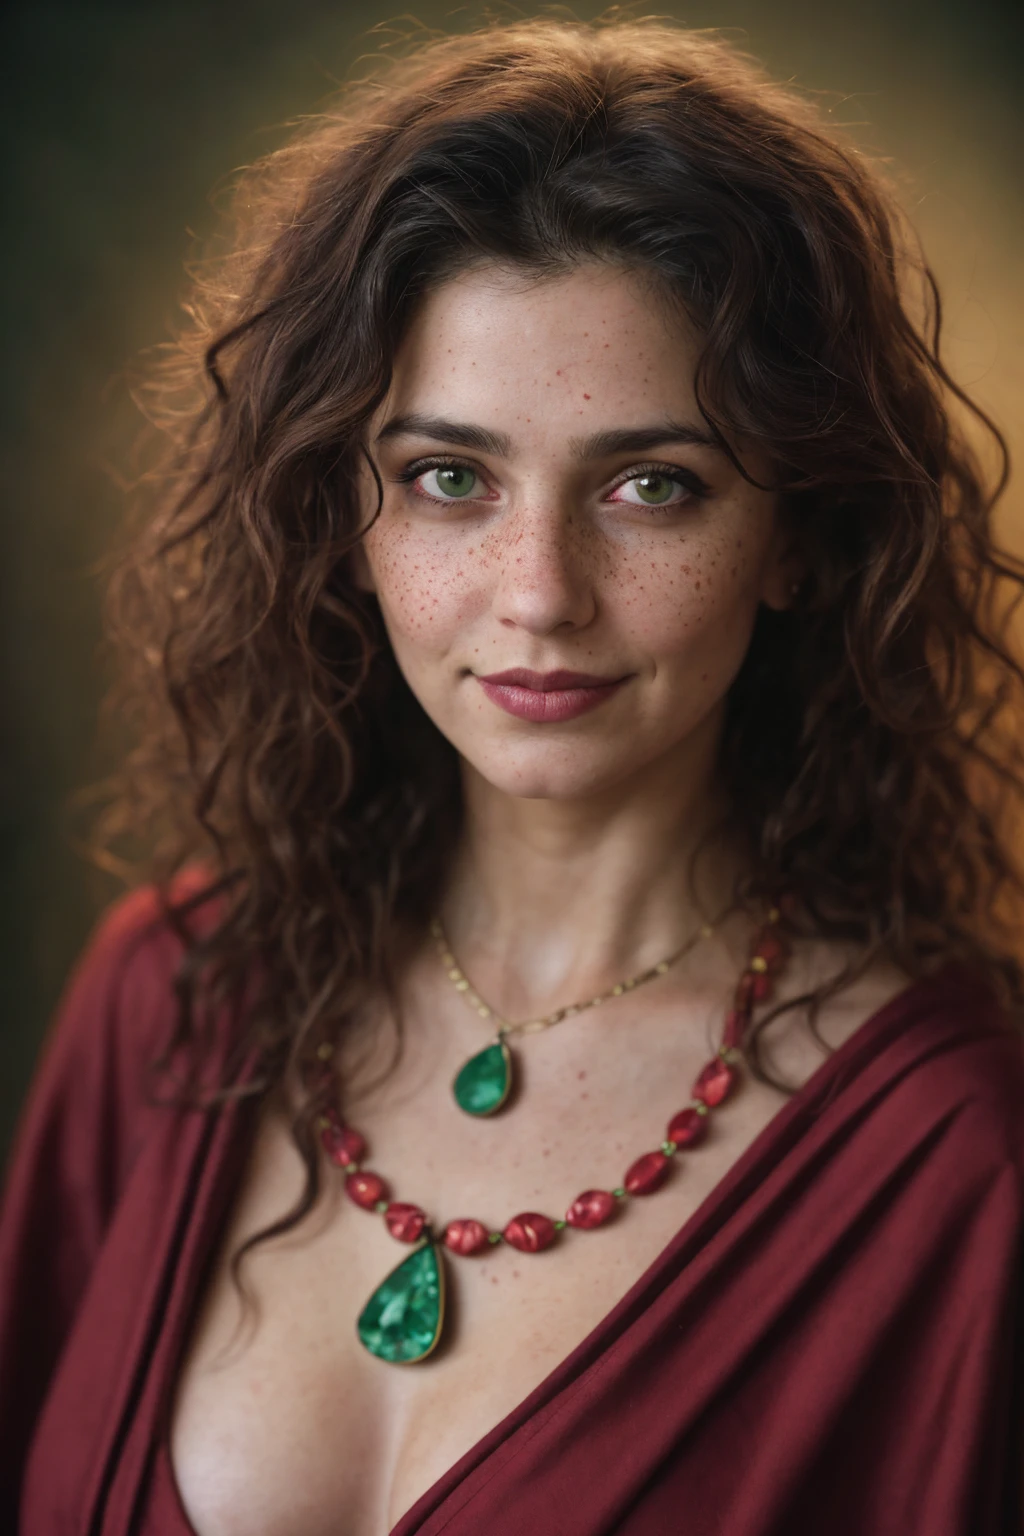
443,431
602,445
599,445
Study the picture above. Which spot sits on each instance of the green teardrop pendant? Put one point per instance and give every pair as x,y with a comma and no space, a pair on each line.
402,1320
484,1083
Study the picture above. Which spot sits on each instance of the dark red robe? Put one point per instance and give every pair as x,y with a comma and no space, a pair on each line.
832,1344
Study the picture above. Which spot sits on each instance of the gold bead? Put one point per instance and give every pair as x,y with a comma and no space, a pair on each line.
325,1051
759,964
484,1011
774,914
462,986
706,931
618,991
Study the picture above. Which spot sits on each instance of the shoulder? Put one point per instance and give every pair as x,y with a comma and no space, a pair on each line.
967,1059
138,929
945,1064
926,1060
117,1016
122,988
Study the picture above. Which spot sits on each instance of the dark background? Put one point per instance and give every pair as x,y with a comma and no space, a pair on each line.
119,120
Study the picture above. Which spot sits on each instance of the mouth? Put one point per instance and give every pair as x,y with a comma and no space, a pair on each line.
547,698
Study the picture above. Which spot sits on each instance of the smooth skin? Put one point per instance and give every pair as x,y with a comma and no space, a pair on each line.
551,500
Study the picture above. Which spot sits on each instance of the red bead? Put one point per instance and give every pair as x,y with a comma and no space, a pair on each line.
343,1145
736,1023
761,986
591,1209
771,947
647,1174
406,1222
744,995
366,1189
466,1237
530,1232
714,1083
688,1128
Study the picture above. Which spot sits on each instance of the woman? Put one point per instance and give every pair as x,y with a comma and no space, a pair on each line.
573,589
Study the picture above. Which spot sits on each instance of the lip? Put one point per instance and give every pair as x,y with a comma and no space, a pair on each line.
547,698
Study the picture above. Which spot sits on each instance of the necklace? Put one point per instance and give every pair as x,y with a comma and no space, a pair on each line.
403,1320
483,1083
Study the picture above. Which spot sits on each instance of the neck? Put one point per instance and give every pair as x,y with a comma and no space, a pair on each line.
552,901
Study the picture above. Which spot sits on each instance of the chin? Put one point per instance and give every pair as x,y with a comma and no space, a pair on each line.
562,773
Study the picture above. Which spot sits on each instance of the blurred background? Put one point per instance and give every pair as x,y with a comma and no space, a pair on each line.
119,120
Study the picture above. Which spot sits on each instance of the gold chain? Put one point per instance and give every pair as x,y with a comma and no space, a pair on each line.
463,985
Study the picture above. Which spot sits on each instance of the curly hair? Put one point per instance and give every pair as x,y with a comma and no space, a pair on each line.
868,747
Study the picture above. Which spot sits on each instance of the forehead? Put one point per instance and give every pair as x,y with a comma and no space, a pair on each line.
587,346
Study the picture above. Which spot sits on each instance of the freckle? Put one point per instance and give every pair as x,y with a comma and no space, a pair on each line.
494,1279
581,1075
586,397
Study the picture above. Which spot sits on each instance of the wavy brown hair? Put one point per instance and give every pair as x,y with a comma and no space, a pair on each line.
868,746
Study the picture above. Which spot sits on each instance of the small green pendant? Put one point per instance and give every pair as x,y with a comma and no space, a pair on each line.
402,1320
485,1082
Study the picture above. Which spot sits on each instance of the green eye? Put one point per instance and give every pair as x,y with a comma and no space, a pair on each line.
454,480
654,489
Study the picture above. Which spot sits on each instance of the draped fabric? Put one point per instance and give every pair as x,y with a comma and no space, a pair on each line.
832,1343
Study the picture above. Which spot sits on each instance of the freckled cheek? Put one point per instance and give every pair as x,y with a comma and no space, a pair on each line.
691,614
426,596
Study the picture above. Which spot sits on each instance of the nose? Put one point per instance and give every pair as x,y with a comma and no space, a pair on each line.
545,573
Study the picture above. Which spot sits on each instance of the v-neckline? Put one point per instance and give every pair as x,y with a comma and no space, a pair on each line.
598,1344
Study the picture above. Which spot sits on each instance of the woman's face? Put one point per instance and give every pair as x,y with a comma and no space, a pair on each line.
568,568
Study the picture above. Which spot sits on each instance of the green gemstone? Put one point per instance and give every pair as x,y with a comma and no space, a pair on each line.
402,1320
483,1084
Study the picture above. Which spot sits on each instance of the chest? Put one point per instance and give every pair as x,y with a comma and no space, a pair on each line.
282,1420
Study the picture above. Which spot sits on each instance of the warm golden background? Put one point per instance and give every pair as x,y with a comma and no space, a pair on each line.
121,118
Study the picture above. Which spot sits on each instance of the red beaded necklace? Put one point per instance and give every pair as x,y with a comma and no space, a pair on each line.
404,1318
